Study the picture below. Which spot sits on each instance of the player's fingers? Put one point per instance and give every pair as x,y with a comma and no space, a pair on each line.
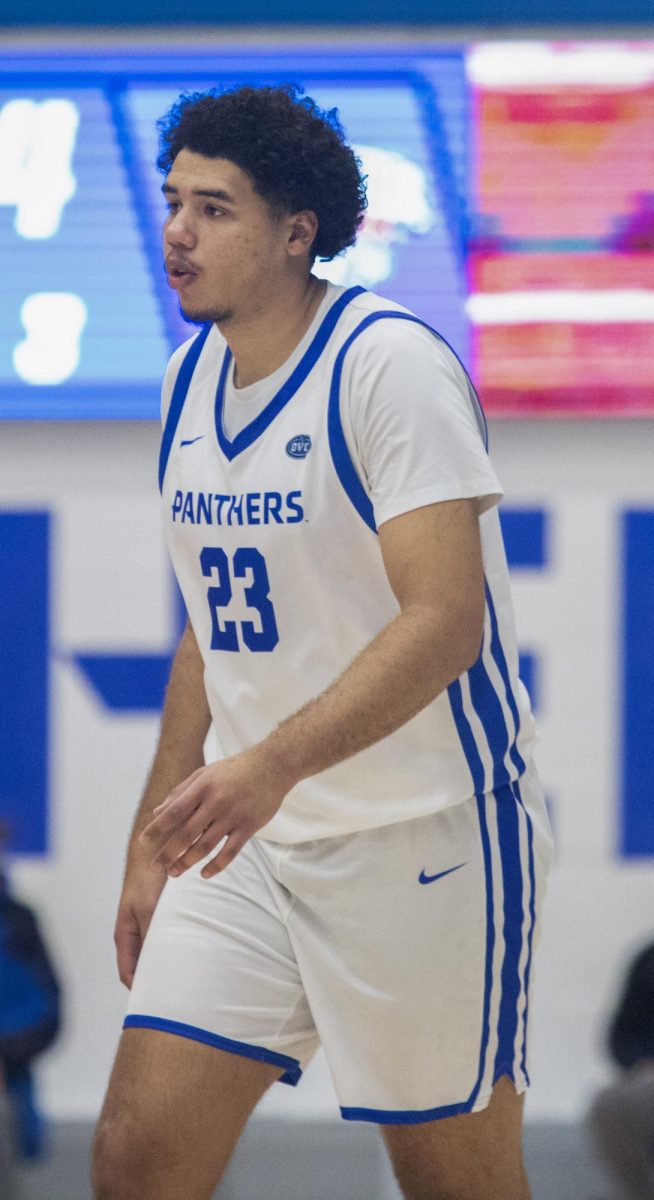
234,843
199,850
154,836
184,839
128,948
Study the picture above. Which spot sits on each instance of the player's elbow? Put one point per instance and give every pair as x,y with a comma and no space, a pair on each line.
465,634
470,642
452,639
451,632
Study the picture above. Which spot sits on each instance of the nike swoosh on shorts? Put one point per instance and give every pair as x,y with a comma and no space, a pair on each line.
422,878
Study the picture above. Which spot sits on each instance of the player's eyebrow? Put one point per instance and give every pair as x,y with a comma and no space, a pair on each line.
214,193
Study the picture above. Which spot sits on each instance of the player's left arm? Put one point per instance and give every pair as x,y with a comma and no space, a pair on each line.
433,560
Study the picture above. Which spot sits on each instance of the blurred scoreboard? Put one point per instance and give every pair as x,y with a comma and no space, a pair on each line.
511,205
561,255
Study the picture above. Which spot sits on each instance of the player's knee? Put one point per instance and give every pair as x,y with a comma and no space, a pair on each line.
122,1161
112,1162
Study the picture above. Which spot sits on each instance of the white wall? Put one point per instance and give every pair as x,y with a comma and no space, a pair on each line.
112,591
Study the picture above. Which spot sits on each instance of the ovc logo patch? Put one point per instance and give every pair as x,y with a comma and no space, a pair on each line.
299,446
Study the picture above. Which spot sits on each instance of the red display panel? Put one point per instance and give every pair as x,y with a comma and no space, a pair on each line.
561,265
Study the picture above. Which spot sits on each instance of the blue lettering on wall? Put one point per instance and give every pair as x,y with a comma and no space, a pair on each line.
636,815
127,682
526,537
529,670
526,533
25,677
134,682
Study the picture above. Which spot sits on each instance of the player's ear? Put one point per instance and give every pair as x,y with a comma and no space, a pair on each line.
302,229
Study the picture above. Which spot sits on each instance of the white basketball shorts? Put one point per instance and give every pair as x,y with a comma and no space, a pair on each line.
406,950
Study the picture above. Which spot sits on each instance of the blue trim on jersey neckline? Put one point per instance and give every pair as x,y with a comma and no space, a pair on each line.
293,1070
180,389
251,432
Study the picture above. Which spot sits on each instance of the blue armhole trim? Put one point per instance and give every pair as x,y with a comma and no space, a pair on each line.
292,1067
178,397
341,458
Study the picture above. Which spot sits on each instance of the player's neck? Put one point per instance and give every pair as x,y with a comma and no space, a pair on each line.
263,343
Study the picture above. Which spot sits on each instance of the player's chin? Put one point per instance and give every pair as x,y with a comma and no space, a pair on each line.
202,315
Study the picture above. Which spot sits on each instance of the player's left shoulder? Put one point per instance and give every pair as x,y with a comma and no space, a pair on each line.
389,333
367,303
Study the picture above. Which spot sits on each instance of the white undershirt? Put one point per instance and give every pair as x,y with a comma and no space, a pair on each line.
243,405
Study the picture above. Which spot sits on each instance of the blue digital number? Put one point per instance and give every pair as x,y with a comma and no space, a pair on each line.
246,559
213,559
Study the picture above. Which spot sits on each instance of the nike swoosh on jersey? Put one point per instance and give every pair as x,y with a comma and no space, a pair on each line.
190,441
422,878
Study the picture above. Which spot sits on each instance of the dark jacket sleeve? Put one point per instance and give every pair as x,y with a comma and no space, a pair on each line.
23,946
631,1034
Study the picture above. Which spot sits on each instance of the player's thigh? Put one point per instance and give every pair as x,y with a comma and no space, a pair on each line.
173,1113
475,1156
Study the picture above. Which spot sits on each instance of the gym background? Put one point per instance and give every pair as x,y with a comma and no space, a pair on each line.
510,161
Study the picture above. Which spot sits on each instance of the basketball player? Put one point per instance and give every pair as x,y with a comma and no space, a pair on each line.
363,867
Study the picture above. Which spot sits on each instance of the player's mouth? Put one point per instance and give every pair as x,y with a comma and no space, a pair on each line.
179,273
179,278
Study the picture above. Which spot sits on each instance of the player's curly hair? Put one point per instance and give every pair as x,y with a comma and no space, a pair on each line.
294,152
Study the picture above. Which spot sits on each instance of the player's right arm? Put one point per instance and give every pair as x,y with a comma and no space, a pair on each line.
180,752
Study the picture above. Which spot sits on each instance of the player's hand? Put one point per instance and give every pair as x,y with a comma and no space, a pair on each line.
138,900
228,800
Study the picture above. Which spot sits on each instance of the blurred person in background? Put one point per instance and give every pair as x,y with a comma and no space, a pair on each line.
7,1150
29,1011
621,1119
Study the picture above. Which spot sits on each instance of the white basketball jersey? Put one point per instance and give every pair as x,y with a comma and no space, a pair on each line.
273,539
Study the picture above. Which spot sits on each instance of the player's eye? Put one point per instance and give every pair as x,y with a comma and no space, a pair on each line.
172,206
212,211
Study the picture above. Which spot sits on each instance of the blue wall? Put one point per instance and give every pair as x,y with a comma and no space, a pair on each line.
483,13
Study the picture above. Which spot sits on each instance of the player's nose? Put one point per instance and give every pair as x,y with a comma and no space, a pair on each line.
179,231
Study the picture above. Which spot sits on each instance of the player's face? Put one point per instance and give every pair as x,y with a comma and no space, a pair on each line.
224,251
